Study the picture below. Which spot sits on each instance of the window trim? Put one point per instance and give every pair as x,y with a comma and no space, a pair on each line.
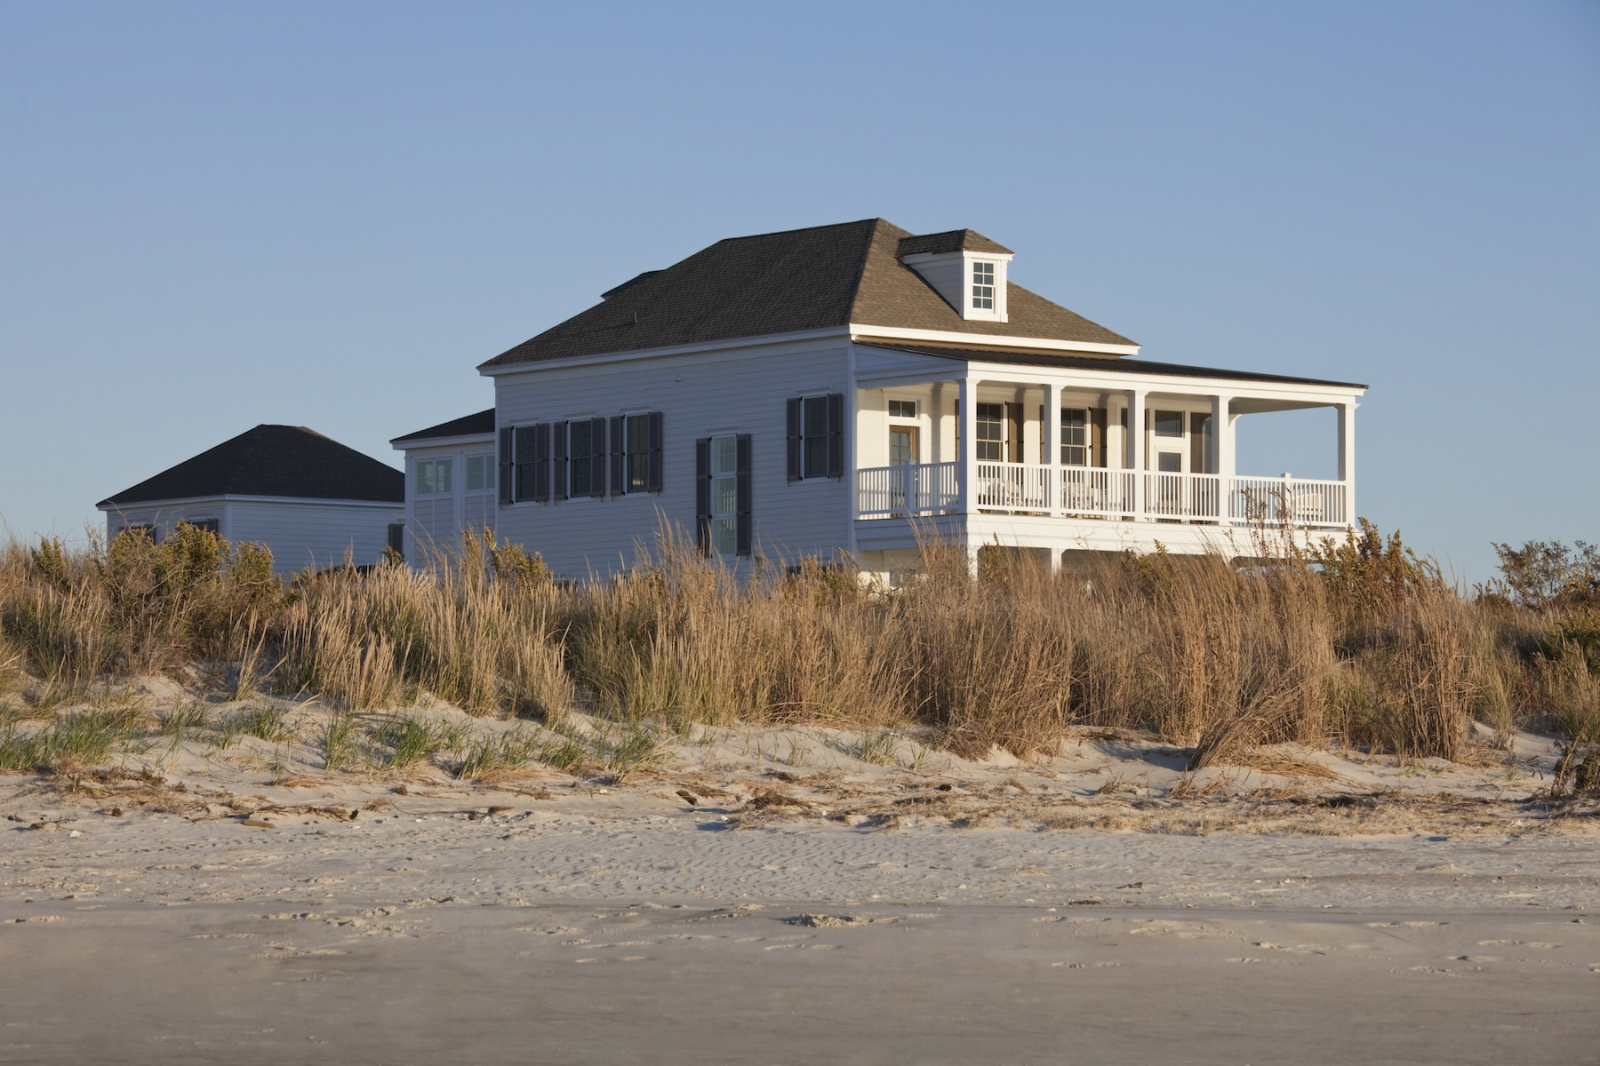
743,493
981,293
432,464
799,465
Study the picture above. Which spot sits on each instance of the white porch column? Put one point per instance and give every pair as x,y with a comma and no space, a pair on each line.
1224,461
966,429
1347,458
1136,461
1051,431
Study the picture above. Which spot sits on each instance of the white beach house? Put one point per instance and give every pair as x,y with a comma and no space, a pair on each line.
847,389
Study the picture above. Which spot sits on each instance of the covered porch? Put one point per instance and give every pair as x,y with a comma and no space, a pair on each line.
1135,443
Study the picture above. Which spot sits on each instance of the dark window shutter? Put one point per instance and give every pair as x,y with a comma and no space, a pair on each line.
794,439
619,451
527,462
1044,445
836,434
541,462
1097,416
597,457
657,447
702,494
1014,432
504,482
743,490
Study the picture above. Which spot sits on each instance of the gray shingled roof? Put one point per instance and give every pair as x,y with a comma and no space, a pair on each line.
804,279
954,240
473,425
1091,362
287,461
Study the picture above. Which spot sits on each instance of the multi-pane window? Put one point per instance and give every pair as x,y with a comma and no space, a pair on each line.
433,476
902,409
480,473
814,436
991,435
983,286
1074,436
580,462
636,434
724,496
1168,423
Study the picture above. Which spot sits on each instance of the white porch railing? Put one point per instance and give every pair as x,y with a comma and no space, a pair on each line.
1026,488
908,489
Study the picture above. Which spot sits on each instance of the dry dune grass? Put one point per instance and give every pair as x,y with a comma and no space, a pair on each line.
1368,647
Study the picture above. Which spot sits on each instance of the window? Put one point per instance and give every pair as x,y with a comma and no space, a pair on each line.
991,436
636,429
1168,423
723,495
433,476
816,437
581,464
1074,436
208,525
480,473
983,286
902,409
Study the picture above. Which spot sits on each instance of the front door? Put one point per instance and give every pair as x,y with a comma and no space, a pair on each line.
1169,454
903,478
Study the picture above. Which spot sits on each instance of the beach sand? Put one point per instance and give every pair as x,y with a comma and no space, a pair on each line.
203,905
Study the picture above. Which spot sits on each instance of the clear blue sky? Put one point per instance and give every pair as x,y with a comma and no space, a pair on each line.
327,214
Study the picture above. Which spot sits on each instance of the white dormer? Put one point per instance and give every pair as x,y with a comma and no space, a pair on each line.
964,267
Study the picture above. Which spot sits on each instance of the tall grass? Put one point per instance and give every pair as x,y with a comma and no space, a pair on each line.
1357,641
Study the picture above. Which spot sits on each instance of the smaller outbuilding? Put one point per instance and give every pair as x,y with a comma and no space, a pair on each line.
451,481
311,500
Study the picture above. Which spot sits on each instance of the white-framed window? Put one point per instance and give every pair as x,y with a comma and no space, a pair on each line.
1074,436
581,465
1167,423
983,286
814,436
636,452
902,409
991,435
480,473
725,495
433,476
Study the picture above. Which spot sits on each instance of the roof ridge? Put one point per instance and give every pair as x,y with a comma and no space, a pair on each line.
861,266
800,229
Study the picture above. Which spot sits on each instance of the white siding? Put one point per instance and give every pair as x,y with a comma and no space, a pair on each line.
165,517
434,523
732,391
317,535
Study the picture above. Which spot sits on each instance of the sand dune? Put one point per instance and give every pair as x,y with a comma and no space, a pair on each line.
868,900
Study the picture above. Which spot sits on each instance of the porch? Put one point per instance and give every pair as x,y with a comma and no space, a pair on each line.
1080,449
911,490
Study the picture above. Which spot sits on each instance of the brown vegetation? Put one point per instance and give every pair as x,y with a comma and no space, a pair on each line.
1358,642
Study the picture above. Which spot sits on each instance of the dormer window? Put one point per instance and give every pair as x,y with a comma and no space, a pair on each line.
966,268
983,286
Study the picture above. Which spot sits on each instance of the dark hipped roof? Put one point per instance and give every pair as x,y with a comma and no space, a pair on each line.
954,240
290,461
1090,362
804,279
480,424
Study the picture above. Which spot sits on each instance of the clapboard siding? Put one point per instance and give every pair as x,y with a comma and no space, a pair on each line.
701,394
314,534
434,523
